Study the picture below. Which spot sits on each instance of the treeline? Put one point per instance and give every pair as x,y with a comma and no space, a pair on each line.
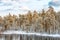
42,22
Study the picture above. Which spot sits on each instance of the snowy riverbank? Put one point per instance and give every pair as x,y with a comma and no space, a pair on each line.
10,32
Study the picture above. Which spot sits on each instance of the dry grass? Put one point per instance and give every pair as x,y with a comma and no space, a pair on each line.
46,21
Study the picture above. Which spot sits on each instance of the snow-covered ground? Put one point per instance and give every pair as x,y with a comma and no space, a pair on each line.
29,33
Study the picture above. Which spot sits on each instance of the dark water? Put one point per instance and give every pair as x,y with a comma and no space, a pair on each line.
26,37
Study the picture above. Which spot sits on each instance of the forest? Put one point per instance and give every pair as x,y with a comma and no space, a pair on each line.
40,22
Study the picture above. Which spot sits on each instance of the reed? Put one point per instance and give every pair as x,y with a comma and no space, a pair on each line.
42,22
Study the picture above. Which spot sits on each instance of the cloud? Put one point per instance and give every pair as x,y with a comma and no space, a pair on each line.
5,4
18,6
54,3
24,0
25,8
21,5
8,10
55,0
20,0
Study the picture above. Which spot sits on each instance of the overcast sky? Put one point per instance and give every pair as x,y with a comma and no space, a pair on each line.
21,6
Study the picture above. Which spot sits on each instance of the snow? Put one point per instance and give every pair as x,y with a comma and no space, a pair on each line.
29,33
